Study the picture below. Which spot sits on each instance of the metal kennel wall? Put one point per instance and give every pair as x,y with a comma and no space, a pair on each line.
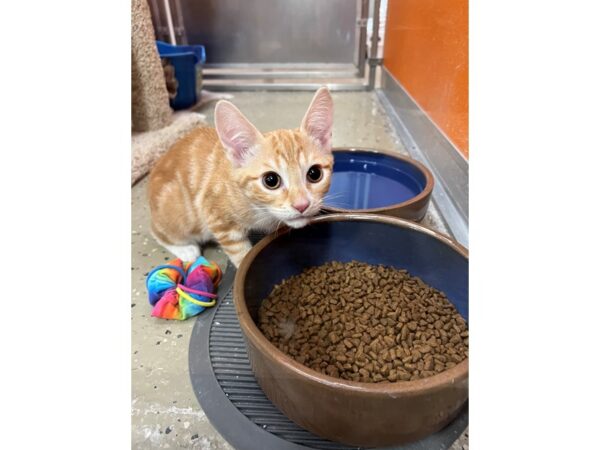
276,44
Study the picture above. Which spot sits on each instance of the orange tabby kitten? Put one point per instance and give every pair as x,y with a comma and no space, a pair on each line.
218,184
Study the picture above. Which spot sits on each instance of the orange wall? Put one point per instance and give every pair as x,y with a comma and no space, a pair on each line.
427,50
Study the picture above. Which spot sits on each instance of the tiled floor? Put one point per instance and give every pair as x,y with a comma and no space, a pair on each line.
165,412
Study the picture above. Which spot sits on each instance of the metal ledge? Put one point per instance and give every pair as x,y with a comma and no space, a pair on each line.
264,74
277,85
427,144
312,67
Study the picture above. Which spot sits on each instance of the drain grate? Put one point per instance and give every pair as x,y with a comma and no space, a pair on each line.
234,402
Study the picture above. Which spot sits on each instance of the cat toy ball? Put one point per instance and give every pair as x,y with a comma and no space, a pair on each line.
179,290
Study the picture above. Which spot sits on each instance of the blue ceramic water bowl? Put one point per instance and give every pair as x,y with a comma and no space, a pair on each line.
354,413
377,181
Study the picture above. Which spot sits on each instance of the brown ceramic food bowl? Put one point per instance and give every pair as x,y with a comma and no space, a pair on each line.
374,181
354,413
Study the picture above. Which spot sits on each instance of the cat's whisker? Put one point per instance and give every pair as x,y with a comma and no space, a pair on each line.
268,208
333,196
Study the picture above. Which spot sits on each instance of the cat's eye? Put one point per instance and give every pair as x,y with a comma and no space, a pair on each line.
314,174
271,180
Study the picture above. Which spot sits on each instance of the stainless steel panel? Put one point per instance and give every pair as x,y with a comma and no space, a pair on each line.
273,31
362,12
427,144
374,43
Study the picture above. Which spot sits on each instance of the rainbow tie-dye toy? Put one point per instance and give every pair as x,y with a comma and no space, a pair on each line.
179,290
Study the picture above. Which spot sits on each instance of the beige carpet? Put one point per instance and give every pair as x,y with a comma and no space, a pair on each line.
148,146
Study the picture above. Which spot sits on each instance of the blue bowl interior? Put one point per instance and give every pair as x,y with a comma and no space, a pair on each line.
363,180
436,263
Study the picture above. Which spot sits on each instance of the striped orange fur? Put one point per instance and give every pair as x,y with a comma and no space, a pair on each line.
214,183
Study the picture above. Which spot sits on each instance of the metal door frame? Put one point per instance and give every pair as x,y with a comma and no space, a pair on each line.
169,26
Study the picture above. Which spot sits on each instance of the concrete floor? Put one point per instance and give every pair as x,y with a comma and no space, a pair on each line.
165,412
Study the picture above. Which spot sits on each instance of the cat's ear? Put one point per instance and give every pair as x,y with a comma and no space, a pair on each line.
239,137
318,120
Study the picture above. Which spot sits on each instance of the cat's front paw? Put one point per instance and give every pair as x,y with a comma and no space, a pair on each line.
238,255
189,252
237,260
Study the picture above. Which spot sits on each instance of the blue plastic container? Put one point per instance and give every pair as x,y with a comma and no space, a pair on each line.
184,59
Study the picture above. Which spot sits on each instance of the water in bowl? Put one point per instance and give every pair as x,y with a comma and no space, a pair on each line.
368,180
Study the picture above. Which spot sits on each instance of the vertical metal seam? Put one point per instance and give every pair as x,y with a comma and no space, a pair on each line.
374,44
170,22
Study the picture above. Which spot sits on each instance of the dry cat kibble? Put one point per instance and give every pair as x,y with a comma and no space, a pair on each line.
364,323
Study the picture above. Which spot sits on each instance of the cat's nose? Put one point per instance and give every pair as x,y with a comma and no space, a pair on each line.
301,206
